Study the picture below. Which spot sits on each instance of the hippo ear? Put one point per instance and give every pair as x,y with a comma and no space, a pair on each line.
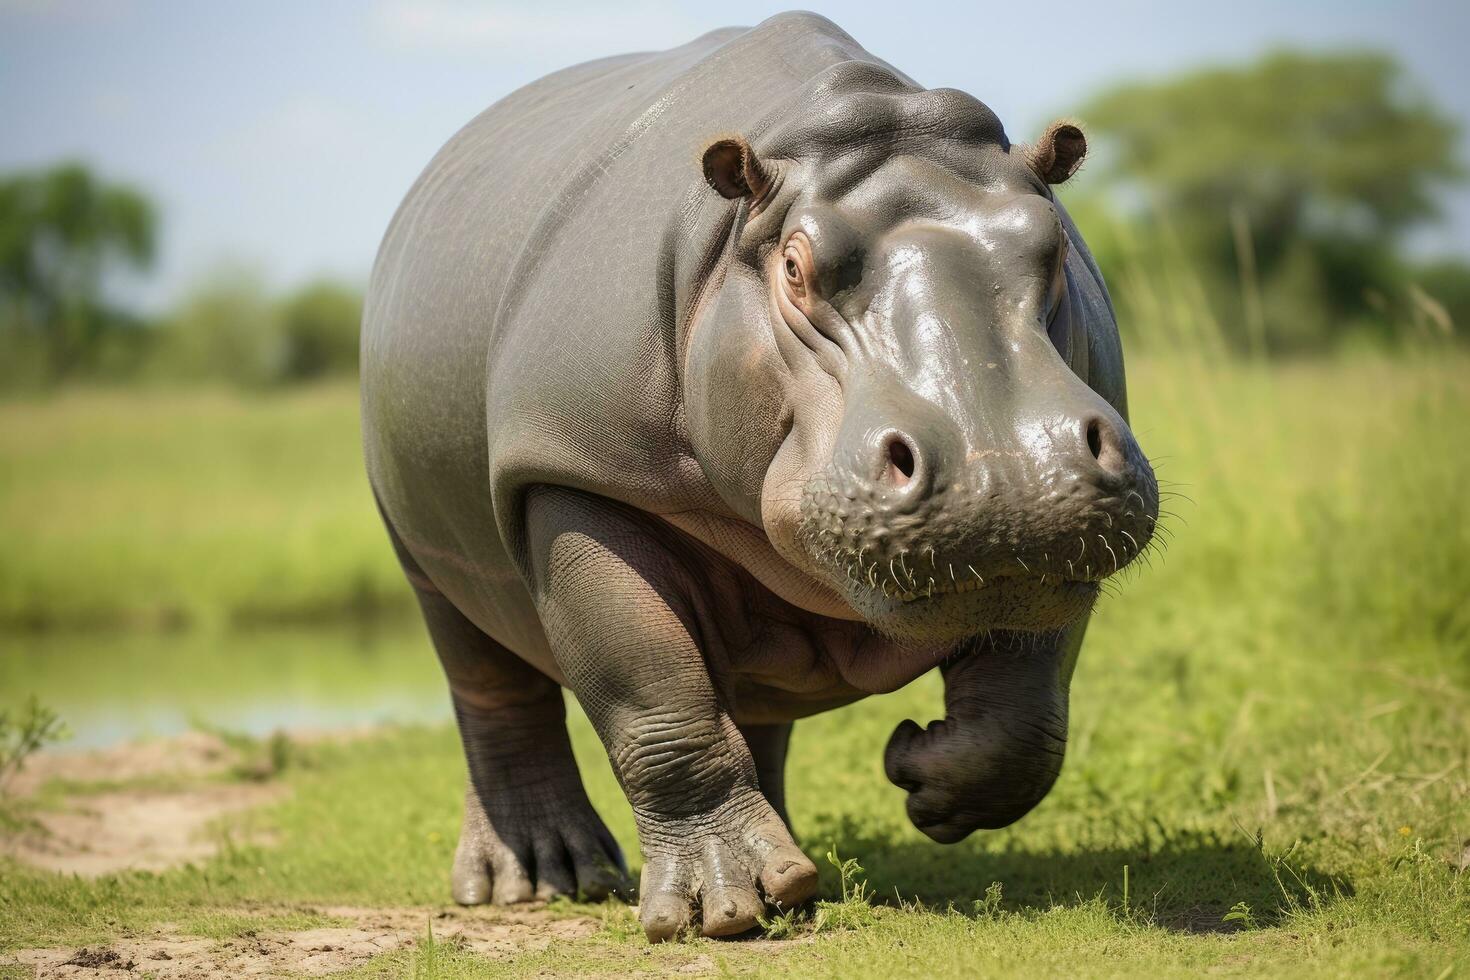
731,168
1059,152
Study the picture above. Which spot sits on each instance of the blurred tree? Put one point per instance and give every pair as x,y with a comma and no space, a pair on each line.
1446,285
229,327
63,233
1290,180
226,327
319,327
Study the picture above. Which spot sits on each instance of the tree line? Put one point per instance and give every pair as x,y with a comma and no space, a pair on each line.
67,237
1279,195
1270,201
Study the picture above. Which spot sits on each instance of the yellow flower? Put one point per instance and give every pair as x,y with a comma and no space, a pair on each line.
1405,830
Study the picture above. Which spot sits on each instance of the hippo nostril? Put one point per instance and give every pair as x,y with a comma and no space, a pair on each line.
900,461
1105,445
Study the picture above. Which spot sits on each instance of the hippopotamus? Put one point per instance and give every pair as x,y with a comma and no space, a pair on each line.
722,386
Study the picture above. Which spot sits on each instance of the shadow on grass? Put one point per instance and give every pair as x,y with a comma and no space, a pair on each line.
1188,881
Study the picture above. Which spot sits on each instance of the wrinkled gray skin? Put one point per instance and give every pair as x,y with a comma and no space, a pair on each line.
723,386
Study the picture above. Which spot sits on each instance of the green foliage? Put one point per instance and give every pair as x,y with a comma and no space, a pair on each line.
1443,298
230,328
1286,184
854,908
23,734
1240,913
991,905
63,233
224,329
66,237
319,326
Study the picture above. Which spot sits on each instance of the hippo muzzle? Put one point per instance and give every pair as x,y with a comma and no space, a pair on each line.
975,482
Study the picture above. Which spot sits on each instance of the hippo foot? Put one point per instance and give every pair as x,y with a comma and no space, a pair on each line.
965,776
533,848
720,869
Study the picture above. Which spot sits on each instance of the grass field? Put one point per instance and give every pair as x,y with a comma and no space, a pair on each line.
1269,768
155,508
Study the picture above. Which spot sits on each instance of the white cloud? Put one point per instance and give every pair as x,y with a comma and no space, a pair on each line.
457,27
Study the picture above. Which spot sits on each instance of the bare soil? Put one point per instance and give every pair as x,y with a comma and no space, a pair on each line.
493,932
133,827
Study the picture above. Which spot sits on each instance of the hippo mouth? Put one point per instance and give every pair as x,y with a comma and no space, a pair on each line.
946,606
974,582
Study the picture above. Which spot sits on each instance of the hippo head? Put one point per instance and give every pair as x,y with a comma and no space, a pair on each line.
888,370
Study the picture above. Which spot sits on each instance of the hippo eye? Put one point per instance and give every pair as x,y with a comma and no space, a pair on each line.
796,263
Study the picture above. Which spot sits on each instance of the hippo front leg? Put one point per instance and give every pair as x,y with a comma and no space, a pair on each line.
621,607
1000,746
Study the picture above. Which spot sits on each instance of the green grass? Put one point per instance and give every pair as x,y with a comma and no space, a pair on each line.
1269,768
147,508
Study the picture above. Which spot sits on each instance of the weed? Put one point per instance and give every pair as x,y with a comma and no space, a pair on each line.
855,909
24,733
989,907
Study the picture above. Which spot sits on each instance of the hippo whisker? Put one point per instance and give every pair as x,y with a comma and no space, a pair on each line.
1136,549
1110,551
906,573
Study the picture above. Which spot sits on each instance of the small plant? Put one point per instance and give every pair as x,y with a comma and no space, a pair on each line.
426,956
24,734
855,910
1241,912
989,906
780,926
258,759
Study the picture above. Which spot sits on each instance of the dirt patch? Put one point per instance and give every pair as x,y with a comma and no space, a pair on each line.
141,828
138,830
191,755
492,932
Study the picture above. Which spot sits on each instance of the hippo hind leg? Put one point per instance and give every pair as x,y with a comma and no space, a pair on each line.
529,831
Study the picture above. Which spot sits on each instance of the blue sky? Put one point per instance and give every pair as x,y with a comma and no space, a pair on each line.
283,134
